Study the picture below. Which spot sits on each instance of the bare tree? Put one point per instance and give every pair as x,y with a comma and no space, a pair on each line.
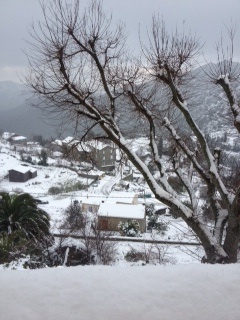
79,67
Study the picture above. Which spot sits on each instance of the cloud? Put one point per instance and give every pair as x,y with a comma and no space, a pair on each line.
12,73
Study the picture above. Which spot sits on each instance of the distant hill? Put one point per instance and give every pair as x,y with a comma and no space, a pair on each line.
206,102
18,115
28,121
12,94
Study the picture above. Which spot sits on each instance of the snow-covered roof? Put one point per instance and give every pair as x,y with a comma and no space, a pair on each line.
33,143
57,142
21,169
126,197
57,154
7,135
98,144
116,210
69,140
19,138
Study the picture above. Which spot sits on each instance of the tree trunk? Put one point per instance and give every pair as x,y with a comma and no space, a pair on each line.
232,240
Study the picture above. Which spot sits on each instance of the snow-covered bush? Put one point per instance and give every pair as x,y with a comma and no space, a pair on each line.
134,255
153,220
54,190
130,228
67,186
149,253
73,216
98,248
68,252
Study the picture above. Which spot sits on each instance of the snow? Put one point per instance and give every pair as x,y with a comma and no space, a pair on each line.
125,197
23,169
19,138
122,210
182,292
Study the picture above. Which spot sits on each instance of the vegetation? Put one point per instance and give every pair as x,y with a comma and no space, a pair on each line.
24,228
67,186
20,212
43,158
94,246
73,216
153,221
79,56
149,253
130,228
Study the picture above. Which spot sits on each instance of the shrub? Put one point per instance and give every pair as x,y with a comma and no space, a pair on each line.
134,256
68,186
73,216
130,228
16,247
176,184
54,190
149,253
153,219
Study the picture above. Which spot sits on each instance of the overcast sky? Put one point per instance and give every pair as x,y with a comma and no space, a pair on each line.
206,18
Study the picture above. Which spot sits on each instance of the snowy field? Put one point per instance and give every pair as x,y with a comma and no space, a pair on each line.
180,292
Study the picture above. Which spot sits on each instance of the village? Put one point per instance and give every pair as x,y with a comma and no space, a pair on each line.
104,184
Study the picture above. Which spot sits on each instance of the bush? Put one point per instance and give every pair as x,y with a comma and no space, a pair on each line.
130,228
73,216
176,184
153,219
54,190
68,252
134,255
97,247
68,186
16,247
149,253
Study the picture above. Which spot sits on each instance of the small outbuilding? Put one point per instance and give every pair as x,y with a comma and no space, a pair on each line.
22,174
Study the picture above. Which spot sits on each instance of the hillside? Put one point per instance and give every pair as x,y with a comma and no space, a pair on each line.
12,94
206,102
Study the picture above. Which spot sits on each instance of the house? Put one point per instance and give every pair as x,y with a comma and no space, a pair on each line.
7,135
124,197
116,207
104,155
92,204
18,140
22,174
111,214
72,149
56,145
101,154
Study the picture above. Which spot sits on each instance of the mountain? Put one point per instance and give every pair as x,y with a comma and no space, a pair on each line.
12,94
27,120
206,101
18,115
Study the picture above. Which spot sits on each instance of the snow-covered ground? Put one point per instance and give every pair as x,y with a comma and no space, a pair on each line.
180,292
184,291
54,176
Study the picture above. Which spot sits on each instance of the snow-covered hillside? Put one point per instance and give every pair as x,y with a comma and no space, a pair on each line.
125,290
54,205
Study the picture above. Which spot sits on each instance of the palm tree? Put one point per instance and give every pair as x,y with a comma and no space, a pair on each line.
20,212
